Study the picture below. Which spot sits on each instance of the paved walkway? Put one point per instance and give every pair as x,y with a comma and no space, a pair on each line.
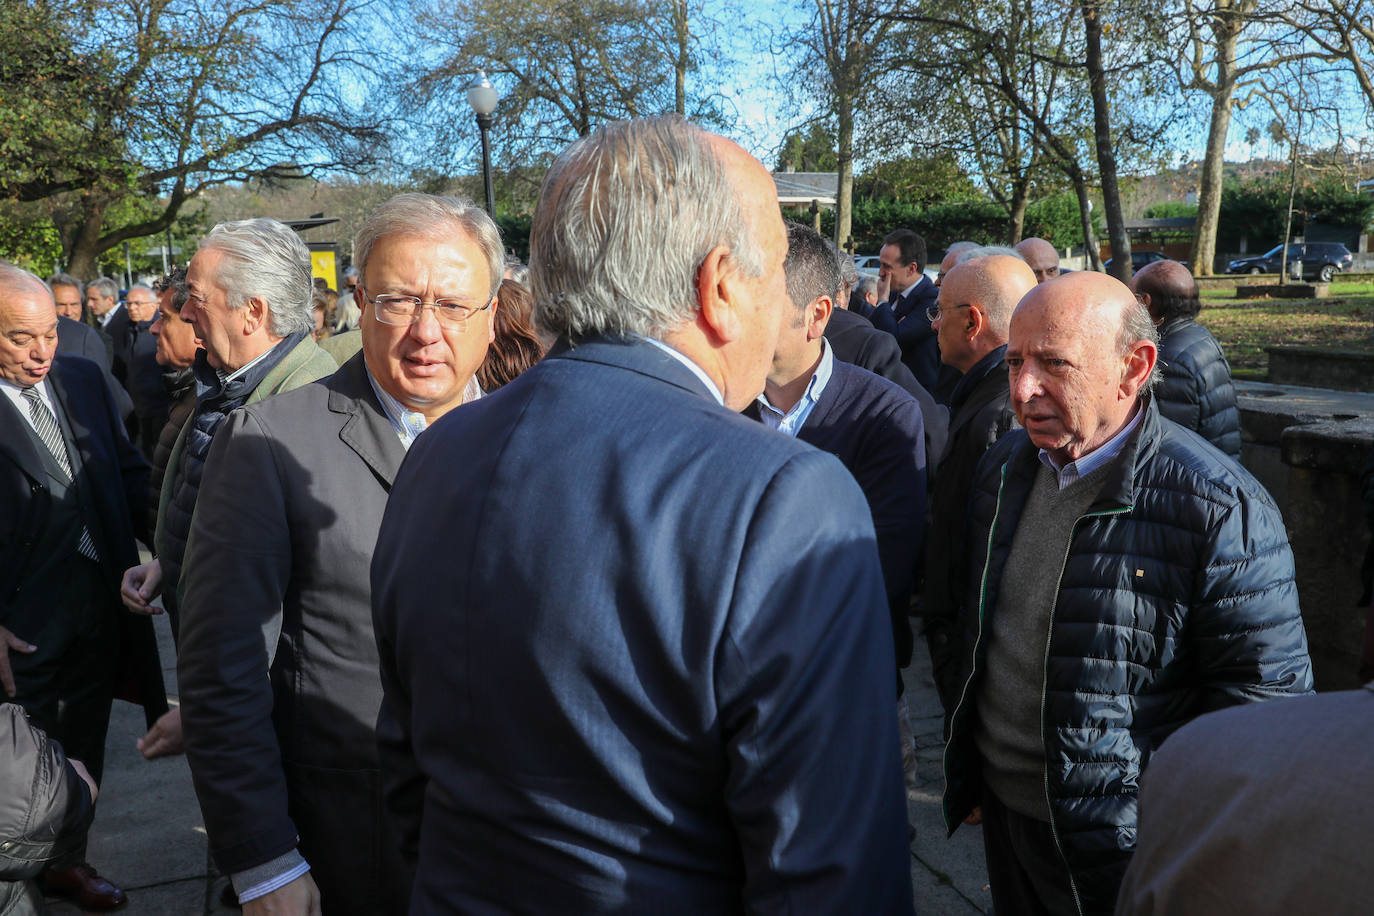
148,835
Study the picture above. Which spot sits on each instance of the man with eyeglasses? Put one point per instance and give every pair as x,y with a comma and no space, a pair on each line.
972,317
136,352
278,664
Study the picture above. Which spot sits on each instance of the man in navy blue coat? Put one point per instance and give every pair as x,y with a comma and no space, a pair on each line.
634,646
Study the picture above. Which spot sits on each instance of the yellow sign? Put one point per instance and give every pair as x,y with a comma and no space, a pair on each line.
322,265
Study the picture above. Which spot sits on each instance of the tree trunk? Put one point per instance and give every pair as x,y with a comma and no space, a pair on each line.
1204,250
81,260
1016,223
1102,136
1085,217
682,38
844,198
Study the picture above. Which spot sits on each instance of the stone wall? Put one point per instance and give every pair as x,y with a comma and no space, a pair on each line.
1308,446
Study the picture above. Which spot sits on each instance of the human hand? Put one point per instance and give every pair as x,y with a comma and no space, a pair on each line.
140,585
975,817
884,288
164,738
85,777
299,898
9,641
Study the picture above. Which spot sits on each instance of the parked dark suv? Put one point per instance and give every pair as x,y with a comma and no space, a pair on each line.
1320,260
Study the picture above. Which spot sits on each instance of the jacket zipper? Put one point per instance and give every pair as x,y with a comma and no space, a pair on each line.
978,637
1044,690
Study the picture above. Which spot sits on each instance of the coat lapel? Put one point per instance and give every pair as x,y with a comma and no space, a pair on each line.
17,442
366,428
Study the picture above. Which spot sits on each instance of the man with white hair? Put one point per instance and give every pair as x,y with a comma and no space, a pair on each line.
281,742
1121,577
249,303
635,646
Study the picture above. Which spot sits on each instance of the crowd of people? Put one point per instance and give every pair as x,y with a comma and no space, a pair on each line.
587,586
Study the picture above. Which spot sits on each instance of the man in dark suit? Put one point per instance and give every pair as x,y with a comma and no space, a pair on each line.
83,340
71,500
136,351
283,747
902,263
634,646
977,298
102,301
870,424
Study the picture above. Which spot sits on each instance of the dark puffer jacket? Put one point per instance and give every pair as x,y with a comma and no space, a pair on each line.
1176,598
44,810
1196,389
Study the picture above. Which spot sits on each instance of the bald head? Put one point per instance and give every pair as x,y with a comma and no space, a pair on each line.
976,302
952,257
1041,256
1080,351
28,327
1167,289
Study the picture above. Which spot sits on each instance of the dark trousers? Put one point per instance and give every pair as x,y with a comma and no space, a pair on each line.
1025,869
66,685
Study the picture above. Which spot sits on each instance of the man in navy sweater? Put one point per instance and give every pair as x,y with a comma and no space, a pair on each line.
871,424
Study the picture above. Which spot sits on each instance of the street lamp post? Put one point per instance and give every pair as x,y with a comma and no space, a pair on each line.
482,97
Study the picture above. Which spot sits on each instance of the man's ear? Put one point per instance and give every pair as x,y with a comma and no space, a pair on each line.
255,314
975,321
818,316
1139,363
717,299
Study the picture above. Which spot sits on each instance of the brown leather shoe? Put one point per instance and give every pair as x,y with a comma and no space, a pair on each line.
81,884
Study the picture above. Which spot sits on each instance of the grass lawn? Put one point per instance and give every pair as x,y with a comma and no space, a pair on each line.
1245,327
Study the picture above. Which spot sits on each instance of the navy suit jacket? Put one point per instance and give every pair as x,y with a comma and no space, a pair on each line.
635,656
875,429
855,340
81,339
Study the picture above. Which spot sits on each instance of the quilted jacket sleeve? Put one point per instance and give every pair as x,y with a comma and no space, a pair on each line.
44,805
1246,624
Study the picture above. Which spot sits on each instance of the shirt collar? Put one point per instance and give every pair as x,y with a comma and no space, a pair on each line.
407,423
814,388
1082,467
696,370
226,378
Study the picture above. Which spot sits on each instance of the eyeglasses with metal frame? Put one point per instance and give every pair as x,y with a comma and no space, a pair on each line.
404,310
934,311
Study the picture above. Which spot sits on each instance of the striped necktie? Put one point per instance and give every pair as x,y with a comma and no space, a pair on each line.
45,424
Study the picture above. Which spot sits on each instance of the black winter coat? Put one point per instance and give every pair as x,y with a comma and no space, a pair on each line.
1196,389
1176,598
44,809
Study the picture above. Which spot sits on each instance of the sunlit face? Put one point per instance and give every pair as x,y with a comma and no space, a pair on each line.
176,340
427,365
142,304
28,335
763,303
1041,257
951,322
99,304
216,325
891,268
68,299
1066,377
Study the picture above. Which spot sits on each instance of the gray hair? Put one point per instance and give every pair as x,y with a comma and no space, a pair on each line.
987,251
266,260
433,217
65,279
867,285
849,274
1137,325
109,289
175,280
626,217
811,268
143,286
14,278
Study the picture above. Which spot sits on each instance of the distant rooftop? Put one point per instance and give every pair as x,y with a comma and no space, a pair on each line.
798,189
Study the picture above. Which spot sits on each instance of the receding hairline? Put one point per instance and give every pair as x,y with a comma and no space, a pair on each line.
15,281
